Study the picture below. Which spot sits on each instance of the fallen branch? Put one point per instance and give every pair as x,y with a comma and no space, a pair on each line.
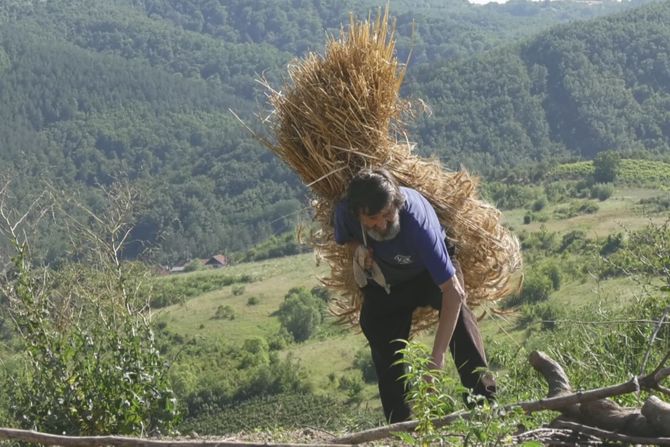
561,398
123,441
604,434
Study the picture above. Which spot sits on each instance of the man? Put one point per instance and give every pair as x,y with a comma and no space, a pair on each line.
398,234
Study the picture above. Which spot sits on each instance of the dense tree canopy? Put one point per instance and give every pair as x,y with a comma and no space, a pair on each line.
95,91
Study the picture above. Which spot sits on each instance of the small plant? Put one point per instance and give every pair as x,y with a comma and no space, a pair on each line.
431,393
602,191
224,313
363,361
353,388
238,290
253,300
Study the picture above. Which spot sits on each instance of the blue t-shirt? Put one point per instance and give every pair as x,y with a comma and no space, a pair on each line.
419,246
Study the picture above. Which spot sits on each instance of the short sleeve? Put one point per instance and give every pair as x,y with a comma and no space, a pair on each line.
342,225
431,249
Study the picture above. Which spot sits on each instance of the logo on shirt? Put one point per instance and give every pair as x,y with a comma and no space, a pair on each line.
403,259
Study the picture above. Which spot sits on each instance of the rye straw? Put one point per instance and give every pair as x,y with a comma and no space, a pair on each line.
340,112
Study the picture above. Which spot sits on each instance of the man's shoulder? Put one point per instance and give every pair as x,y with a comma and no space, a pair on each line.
415,202
412,195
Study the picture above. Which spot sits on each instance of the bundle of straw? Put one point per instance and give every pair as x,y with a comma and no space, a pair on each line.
341,112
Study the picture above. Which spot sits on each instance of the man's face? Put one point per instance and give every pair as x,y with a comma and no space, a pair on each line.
383,226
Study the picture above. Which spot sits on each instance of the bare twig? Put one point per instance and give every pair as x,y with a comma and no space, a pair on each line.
658,327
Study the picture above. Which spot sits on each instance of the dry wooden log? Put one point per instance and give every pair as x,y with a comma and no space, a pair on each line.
604,434
125,441
657,413
606,414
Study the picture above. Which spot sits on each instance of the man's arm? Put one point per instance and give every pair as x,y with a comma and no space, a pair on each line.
453,295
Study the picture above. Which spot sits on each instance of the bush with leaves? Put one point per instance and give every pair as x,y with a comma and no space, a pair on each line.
224,313
91,364
537,287
602,191
301,313
606,166
363,361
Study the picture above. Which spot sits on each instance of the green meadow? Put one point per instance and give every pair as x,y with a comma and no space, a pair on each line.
328,357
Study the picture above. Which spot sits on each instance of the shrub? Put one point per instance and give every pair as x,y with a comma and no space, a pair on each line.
573,240
324,293
602,191
301,313
588,207
539,204
363,361
194,266
612,244
253,300
353,388
238,290
509,196
555,192
536,288
545,313
224,313
553,272
281,339
576,208
606,166
656,204
92,365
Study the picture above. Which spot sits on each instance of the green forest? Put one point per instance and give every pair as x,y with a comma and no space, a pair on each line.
142,91
121,155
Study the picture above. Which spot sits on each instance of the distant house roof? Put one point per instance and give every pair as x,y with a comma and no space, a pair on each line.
217,261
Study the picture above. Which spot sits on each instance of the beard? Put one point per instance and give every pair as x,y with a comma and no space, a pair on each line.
391,232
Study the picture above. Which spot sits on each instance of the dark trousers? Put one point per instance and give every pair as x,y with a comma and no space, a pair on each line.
388,317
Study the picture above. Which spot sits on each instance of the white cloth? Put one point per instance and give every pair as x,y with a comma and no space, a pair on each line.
362,275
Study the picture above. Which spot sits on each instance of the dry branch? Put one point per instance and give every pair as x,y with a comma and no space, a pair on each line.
123,441
562,399
604,434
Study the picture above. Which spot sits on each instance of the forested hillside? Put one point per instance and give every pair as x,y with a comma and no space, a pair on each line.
95,91
573,91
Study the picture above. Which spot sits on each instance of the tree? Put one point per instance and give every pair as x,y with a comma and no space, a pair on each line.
301,313
606,166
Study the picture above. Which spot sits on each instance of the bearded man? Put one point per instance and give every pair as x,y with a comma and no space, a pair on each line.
401,263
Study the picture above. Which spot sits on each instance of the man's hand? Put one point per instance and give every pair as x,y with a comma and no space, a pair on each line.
368,261
436,362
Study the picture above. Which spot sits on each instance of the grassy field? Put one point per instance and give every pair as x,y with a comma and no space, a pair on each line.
272,280
327,359
621,211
